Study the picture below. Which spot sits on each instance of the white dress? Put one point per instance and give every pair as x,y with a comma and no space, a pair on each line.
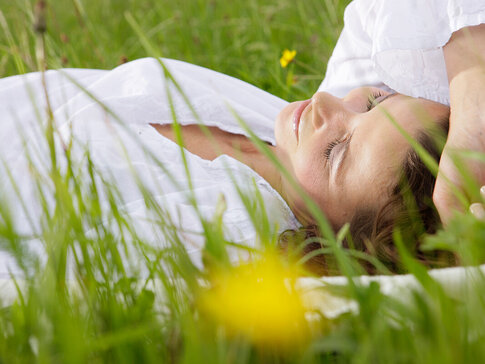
397,45
128,151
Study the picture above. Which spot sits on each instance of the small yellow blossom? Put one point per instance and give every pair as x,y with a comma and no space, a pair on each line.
287,57
260,302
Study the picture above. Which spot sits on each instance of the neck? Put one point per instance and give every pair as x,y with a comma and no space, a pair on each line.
261,164
266,168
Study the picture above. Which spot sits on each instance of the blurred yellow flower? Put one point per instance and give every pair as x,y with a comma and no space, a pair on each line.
259,301
287,57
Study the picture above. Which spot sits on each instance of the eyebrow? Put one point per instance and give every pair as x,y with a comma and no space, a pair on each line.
345,151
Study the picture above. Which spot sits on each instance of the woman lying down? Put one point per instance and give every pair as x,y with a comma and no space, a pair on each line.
345,153
345,147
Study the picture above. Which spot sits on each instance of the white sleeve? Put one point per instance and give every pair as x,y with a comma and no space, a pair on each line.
350,65
403,41
464,13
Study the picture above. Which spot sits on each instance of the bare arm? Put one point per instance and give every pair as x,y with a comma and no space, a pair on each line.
465,65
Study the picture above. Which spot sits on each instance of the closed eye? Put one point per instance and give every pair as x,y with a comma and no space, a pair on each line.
372,100
330,146
333,144
376,98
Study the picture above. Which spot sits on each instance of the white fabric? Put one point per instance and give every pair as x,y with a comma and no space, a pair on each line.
137,93
397,44
392,44
457,282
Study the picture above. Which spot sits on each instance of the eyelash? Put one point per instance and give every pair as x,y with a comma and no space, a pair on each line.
334,143
370,104
371,98
330,147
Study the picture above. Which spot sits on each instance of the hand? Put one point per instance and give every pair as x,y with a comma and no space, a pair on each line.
449,183
464,58
478,208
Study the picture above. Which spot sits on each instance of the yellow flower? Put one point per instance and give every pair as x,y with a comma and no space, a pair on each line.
260,302
287,57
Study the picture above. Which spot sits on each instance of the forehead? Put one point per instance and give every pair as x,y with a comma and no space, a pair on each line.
378,149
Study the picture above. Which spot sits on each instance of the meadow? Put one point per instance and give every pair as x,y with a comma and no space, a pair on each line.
223,314
244,39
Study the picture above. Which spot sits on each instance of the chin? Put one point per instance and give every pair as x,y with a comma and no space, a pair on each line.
284,123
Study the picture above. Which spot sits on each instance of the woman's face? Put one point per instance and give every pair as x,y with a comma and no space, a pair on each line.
346,153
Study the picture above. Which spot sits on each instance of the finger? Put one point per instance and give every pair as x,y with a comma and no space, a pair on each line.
477,210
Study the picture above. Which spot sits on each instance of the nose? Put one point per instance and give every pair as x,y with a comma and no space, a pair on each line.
328,109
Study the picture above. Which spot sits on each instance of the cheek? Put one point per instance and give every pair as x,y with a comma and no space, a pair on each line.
336,201
314,182
310,174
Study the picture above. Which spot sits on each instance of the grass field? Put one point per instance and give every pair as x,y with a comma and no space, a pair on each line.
241,38
108,316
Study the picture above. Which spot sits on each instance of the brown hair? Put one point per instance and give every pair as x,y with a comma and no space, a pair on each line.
408,208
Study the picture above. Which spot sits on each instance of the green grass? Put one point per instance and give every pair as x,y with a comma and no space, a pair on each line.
108,315
242,38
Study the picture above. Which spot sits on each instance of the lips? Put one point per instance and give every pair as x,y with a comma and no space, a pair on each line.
297,115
